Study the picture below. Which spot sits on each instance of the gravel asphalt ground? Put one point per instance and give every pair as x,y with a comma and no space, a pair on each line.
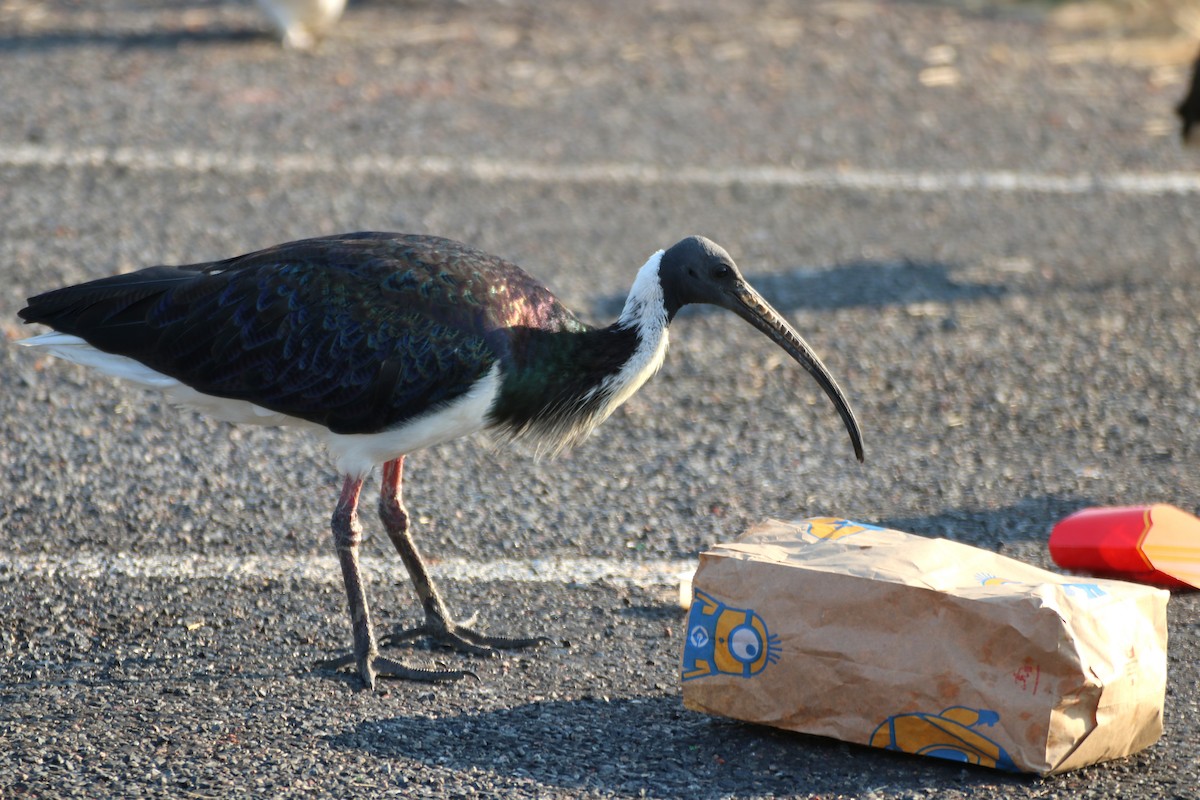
979,215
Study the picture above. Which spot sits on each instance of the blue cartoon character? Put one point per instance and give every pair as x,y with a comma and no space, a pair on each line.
952,734
725,640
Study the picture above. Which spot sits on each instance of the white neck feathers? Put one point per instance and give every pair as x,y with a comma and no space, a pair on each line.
644,306
647,313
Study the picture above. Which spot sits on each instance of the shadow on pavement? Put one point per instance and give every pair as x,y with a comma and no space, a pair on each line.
857,284
651,744
992,528
129,40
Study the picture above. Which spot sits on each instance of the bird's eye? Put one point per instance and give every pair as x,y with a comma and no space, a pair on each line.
722,271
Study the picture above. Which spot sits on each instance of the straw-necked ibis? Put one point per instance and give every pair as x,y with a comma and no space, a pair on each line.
385,344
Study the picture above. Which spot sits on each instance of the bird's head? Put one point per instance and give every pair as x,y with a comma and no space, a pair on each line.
697,270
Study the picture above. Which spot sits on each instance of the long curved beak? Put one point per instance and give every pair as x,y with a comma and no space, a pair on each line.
750,306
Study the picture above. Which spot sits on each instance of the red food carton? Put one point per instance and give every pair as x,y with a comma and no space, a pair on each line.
1157,544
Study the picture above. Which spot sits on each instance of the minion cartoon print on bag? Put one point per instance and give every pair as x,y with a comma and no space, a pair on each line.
953,733
726,640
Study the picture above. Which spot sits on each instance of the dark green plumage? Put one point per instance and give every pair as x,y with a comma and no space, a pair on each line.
550,393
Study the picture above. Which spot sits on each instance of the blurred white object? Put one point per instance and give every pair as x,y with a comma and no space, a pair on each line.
685,590
302,22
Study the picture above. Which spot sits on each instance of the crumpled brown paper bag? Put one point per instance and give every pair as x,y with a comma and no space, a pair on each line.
928,646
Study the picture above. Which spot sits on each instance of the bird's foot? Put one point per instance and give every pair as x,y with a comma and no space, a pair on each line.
460,636
377,666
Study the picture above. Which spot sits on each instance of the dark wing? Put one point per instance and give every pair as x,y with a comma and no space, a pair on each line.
358,332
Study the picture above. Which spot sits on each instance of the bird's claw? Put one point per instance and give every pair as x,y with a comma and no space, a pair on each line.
377,666
459,636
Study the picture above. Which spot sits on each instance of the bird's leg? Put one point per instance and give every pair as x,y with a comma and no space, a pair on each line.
347,535
438,625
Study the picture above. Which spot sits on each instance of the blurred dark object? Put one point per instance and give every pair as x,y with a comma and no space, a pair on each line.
1189,110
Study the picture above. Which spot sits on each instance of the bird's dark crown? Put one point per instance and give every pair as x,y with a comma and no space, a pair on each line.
696,270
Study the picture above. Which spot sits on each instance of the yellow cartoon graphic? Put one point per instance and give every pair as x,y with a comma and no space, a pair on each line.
833,528
952,735
725,640
988,579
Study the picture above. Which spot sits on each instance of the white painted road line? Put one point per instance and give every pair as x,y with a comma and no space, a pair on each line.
324,569
498,170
